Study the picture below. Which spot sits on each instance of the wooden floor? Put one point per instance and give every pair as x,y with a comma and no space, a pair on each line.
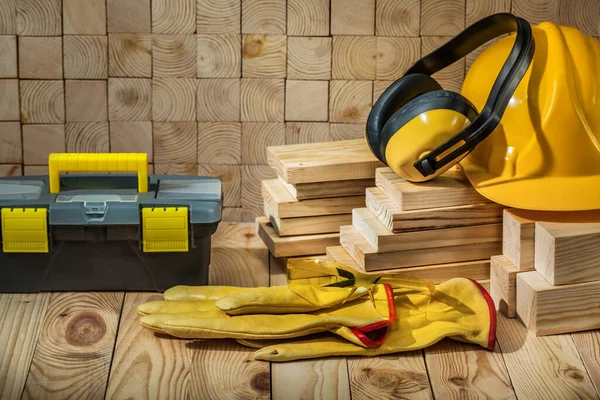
90,345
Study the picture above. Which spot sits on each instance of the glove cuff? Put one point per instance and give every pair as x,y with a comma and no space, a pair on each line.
492,312
373,335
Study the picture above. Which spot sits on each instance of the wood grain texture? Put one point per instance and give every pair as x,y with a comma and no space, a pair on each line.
40,58
131,137
218,100
535,11
304,245
252,200
582,15
219,143
22,317
86,101
11,146
396,55
87,137
231,177
257,136
41,102
451,78
174,56
40,140
130,55
310,225
354,187
232,214
354,57
309,58
218,16
308,17
266,17
518,238
588,347
350,101
478,9
306,132
264,56
306,100
398,18
84,17
177,169
219,56
378,89
11,170
39,18
128,16
8,62
346,131
129,99
83,325
8,16
29,170
352,17
262,100
442,18
9,99
175,142
503,285
85,57
173,16
173,99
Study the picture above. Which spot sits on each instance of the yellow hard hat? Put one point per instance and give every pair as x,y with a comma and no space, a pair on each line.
545,153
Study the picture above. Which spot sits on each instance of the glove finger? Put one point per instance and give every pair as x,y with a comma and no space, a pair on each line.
201,292
312,348
175,307
154,322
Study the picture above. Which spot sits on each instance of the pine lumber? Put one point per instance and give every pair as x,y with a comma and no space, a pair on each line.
398,18
87,17
252,198
40,140
39,18
306,132
262,100
172,17
86,101
395,55
547,310
129,16
398,220
39,58
175,142
308,57
323,162
174,56
131,137
173,99
218,100
11,144
42,102
87,137
503,282
267,17
218,16
442,19
304,191
85,57
306,100
310,225
308,18
130,55
258,135
219,56
518,238
350,102
220,143
129,99
588,347
352,17
264,56
354,57
383,240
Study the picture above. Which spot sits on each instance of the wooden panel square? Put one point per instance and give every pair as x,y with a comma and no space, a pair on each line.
175,143
352,17
451,78
85,57
86,101
232,214
128,16
8,61
9,100
39,18
130,55
131,137
219,143
537,11
347,131
40,57
442,18
84,17
218,100
176,169
173,16
231,177
29,170
306,132
252,175
265,17
87,137
264,56
11,147
174,56
41,140
306,100
395,55
11,170
478,9
582,15
262,100
398,17
350,101
8,16
218,16
129,99
42,102
354,57
379,87
173,99
257,136
219,56
308,17
309,58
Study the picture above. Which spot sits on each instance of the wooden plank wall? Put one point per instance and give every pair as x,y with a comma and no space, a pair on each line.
203,86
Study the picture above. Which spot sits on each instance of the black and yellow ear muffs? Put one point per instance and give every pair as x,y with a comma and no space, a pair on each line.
420,130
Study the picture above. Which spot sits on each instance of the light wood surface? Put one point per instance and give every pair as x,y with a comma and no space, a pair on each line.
132,137
175,142
8,14
317,190
257,136
39,18
8,63
174,56
9,100
11,170
352,17
379,87
354,57
42,102
503,285
129,99
306,100
173,17
350,101
85,57
173,99
294,246
87,137
442,19
84,17
219,56
518,238
128,16
588,347
39,58
262,100
395,55
264,56
218,100
310,225
11,146
252,199
309,57
219,143
218,16
308,17
450,78
267,17
130,55
398,18
306,132
86,101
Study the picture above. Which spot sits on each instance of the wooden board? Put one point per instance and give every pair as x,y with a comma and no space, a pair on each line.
352,17
318,190
294,245
350,102
306,100
503,282
548,310
443,191
323,162
310,225
397,220
308,18
588,346
308,57
383,240
262,100
264,56
354,57
518,238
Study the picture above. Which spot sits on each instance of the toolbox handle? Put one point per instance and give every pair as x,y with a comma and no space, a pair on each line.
98,162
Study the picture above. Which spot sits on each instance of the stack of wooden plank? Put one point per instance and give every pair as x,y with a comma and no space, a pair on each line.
549,272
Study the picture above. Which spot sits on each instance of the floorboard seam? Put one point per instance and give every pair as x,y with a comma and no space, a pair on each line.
112,355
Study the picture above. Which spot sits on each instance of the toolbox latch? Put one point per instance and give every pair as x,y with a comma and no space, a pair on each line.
165,229
25,230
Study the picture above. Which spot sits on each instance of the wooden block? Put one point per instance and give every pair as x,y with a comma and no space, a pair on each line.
130,55
303,191
262,100
518,238
219,143
252,200
264,17
581,15
294,246
87,137
231,177
396,55
84,17
219,56
309,58
354,57
8,16
173,99
310,225
173,16
352,17
42,102
11,146
218,100
283,204
231,214
40,58
8,62
30,170
218,16
175,142
308,17
306,100
306,132
346,131
398,18
264,56
451,78
479,9
313,162
177,169
174,56
11,170
85,57
549,310
9,99
442,19
378,89
131,137
39,18
397,220
350,101
256,136
534,11
503,285
129,99
86,101
587,346
128,16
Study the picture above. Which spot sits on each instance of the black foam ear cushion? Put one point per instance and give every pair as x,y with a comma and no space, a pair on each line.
439,99
393,99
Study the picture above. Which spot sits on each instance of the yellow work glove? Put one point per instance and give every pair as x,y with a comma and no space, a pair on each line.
459,309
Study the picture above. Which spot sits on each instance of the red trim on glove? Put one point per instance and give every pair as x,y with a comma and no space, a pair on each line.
492,308
379,328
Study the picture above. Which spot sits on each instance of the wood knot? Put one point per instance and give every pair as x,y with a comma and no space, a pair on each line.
254,46
128,96
352,113
249,235
574,374
459,381
396,381
261,382
85,329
